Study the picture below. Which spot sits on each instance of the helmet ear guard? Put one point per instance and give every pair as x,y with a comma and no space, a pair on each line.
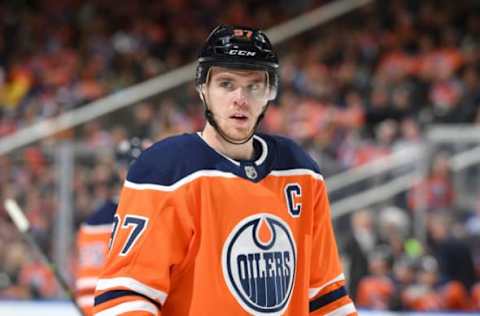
272,86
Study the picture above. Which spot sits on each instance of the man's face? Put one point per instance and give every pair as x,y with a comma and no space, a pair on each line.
236,99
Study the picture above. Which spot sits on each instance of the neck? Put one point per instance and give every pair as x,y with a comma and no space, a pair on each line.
236,152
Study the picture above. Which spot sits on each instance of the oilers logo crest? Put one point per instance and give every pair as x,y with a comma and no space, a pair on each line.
259,264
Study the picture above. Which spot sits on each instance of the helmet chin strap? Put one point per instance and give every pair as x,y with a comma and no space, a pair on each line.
211,120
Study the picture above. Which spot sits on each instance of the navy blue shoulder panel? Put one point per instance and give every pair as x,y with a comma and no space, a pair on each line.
289,155
172,159
103,214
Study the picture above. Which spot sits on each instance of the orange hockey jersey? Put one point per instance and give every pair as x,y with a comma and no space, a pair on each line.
92,244
197,233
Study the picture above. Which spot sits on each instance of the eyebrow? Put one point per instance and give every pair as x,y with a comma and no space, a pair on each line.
226,76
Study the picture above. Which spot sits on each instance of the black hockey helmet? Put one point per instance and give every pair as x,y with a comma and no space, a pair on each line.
125,154
240,48
129,150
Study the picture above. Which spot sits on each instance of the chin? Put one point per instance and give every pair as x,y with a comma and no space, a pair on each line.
238,136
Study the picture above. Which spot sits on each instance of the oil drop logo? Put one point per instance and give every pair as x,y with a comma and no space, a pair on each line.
259,264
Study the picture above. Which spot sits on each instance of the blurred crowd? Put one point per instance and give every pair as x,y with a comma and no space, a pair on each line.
390,270
354,90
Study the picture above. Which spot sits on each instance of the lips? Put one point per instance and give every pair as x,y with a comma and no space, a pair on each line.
240,117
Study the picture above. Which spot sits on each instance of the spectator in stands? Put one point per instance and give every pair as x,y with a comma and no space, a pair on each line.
403,276
394,229
376,290
12,261
429,293
410,135
475,296
452,254
360,244
421,295
435,192
472,228
385,135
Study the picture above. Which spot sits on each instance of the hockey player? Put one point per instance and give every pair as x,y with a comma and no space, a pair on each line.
225,221
94,234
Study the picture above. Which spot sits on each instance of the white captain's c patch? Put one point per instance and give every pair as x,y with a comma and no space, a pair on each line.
259,264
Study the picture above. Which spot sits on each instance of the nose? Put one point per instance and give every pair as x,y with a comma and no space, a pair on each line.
240,96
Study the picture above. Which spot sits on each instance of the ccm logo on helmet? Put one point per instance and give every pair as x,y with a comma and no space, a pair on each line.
241,52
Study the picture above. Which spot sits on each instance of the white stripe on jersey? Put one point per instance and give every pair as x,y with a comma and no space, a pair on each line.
143,306
312,292
86,300
134,285
97,229
297,172
343,310
176,185
84,283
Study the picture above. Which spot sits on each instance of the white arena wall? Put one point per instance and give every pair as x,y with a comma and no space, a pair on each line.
65,308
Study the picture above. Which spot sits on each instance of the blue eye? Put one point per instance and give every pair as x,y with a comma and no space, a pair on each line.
254,87
226,84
